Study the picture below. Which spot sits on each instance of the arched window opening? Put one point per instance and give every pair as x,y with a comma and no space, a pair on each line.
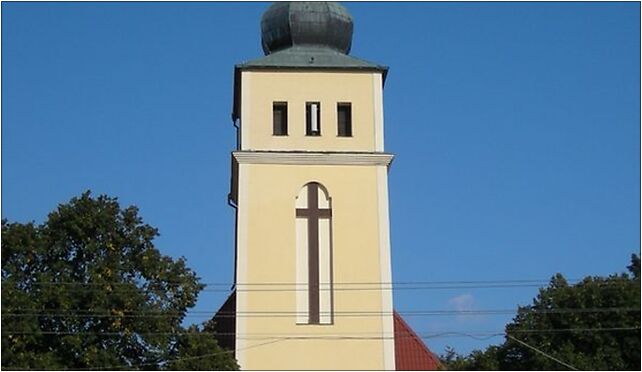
314,255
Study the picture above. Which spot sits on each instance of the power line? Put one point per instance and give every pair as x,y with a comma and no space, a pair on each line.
541,352
334,288
279,314
259,335
279,339
360,282
132,366
186,358
528,282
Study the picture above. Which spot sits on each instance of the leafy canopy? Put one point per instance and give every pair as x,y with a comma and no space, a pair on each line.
88,289
600,329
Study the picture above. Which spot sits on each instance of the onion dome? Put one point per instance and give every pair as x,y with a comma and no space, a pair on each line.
306,23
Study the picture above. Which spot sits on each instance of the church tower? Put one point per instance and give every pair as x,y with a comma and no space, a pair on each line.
310,187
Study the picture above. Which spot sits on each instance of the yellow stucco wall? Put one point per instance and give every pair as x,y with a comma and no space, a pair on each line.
266,236
267,255
261,88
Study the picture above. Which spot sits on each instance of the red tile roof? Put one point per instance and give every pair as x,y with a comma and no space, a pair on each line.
411,354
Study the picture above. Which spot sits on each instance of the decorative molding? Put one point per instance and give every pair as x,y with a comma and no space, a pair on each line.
386,269
312,158
242,264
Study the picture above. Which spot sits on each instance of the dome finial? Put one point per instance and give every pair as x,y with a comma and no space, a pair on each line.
306,23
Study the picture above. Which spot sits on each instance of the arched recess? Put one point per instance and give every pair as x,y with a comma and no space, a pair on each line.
314,296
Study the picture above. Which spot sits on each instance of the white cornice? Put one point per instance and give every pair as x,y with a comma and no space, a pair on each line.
312,158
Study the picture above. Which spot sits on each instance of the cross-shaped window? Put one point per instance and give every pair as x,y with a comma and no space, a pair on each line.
314,255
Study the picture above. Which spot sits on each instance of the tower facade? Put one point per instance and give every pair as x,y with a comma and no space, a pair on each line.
310,186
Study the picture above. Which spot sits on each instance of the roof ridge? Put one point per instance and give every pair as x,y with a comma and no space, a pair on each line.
418,340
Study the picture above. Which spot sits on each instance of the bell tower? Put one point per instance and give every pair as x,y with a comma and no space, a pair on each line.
310,187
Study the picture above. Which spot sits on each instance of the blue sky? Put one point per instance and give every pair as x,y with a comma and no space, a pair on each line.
516,128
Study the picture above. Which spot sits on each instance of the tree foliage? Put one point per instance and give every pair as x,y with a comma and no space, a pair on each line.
591,325
88,289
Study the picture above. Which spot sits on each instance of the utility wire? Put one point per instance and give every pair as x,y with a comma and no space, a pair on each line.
286,314
334,288
311,335
132,366
541,352
279,339
6,281
437,284
187,358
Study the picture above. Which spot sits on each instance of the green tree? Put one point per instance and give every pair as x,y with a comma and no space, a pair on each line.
197,350
486,360
591,325
88,289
